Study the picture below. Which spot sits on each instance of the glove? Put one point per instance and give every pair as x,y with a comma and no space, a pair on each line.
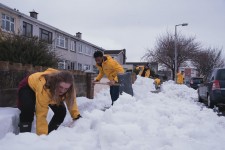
79,116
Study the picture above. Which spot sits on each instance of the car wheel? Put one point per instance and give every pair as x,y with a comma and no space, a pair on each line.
210,104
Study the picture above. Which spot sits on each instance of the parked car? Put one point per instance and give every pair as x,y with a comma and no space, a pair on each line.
195,81
213,90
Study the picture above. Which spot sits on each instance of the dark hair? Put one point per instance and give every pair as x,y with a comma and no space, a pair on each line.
147,65
98,54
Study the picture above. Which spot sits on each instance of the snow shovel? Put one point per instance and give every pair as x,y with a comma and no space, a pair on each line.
125,82
105,83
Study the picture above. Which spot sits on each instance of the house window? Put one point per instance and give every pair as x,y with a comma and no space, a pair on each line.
86,50
62,65
62,42
73,65
83,47
80,48
89,51
95,69
8,23
73,46
46,36
80,66
87,67
27,29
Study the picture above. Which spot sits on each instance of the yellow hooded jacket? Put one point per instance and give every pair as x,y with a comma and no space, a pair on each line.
110,68
36,82
157,81
180,78
147,73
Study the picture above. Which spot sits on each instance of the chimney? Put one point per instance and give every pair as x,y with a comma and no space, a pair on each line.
79,35
33,14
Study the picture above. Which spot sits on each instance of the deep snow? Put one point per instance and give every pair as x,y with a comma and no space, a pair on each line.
169,120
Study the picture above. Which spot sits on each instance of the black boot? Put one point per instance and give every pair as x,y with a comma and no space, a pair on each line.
53,126
25,127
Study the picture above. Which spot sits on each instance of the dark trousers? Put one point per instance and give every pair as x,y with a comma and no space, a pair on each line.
114,93
27,102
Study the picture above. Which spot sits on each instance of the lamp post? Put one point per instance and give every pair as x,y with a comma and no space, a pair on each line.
175,45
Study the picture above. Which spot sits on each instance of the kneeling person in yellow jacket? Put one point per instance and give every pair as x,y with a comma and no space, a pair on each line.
42,90
144,71
109,67
157,82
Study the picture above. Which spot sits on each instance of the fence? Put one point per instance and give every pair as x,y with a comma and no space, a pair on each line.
12,73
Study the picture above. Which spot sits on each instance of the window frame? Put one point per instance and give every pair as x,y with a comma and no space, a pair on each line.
62,40
25,33
10,20
86,67
79,66
73,46
47,33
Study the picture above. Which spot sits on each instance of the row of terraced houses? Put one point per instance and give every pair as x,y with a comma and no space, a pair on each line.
75,53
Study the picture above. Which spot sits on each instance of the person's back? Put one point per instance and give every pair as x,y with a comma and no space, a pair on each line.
144,71
157,83
180,78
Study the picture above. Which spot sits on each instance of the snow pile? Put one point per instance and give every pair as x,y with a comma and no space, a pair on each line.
169,120
9,119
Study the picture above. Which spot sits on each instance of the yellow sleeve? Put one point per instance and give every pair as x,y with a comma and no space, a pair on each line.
100,74
74,112
41,114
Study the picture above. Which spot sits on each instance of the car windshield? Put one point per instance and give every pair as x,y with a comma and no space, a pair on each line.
221,75
197,80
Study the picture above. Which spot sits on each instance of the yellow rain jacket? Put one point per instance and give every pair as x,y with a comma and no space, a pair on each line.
110,68
180,78
36,82
147,73
157,81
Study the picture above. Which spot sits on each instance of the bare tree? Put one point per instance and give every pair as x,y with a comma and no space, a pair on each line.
207,59
164,53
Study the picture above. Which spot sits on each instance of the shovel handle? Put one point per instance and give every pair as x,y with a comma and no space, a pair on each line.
104,83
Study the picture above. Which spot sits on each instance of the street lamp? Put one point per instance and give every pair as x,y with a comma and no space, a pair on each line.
175,45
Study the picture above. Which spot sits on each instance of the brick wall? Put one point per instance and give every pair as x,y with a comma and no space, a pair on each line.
12,73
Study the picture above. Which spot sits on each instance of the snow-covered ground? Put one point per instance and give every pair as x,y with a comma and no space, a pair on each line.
169,120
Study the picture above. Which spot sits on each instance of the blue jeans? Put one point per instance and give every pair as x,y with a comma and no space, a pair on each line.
114,93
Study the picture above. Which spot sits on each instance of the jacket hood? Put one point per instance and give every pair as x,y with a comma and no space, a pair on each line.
51,70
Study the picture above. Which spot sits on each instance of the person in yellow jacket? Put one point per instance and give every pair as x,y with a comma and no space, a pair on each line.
109,67
180,77
43,90
157,82
144,71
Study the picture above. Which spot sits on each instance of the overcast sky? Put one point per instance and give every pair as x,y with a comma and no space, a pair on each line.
131,24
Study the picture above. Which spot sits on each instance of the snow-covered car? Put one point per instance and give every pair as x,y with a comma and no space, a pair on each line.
195,81
213,90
